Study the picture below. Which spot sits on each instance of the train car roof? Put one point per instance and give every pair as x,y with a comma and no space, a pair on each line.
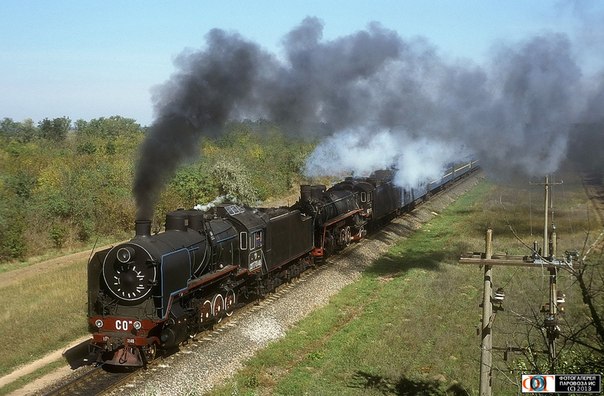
251,219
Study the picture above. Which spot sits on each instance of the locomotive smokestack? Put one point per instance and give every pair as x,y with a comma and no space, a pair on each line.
305,192
143,228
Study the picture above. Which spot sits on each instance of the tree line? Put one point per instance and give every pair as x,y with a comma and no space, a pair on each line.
65,184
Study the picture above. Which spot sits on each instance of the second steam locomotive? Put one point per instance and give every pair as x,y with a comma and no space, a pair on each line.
154,291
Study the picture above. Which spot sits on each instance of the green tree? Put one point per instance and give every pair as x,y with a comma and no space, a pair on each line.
233,179
56,129
9,128
108,127
22,183
21,131
194,185
12,230
27,131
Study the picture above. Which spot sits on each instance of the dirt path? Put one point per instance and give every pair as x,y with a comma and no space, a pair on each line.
38,364
10,277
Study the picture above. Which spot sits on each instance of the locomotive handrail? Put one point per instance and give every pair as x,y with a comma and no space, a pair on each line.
342,217
354,194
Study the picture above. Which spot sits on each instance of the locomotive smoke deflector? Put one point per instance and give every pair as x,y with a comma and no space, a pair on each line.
143,228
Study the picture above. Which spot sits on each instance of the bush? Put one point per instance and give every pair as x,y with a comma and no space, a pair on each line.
57,205
85,229
22,183
194,185
12,242
86,148
58,234
233,179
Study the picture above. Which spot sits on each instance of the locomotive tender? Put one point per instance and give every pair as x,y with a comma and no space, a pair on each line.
155,291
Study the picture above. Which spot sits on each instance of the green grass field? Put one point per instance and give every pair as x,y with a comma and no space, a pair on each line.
408,326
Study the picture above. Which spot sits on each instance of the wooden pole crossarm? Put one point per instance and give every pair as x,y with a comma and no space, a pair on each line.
513,261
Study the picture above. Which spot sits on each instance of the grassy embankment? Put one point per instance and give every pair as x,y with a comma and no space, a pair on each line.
408,326
42,313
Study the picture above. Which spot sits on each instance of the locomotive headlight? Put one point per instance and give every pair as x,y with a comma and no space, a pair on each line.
98,323
125,254
137,325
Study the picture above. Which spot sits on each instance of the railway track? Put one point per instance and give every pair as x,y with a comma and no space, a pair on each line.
97,381
94,381
593,183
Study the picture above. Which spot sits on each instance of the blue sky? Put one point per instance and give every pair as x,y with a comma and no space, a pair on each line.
89,59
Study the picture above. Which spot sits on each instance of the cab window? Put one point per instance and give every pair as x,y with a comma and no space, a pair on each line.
258,239
243,240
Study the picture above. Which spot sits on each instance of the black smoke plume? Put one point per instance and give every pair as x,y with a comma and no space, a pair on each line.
387,102
233,78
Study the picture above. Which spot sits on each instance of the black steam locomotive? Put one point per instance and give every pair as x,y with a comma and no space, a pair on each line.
154,291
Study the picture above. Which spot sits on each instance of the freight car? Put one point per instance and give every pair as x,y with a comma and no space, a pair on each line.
155,291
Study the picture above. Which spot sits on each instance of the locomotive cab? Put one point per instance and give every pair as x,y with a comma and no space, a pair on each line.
250,226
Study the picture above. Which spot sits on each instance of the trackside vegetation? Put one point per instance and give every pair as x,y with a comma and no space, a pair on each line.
63,185
409,325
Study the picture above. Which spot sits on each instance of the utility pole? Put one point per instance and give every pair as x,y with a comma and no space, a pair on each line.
535,260
549,253
546,201
551,321
486,345
545,224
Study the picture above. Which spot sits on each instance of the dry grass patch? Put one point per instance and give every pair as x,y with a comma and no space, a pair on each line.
42,313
